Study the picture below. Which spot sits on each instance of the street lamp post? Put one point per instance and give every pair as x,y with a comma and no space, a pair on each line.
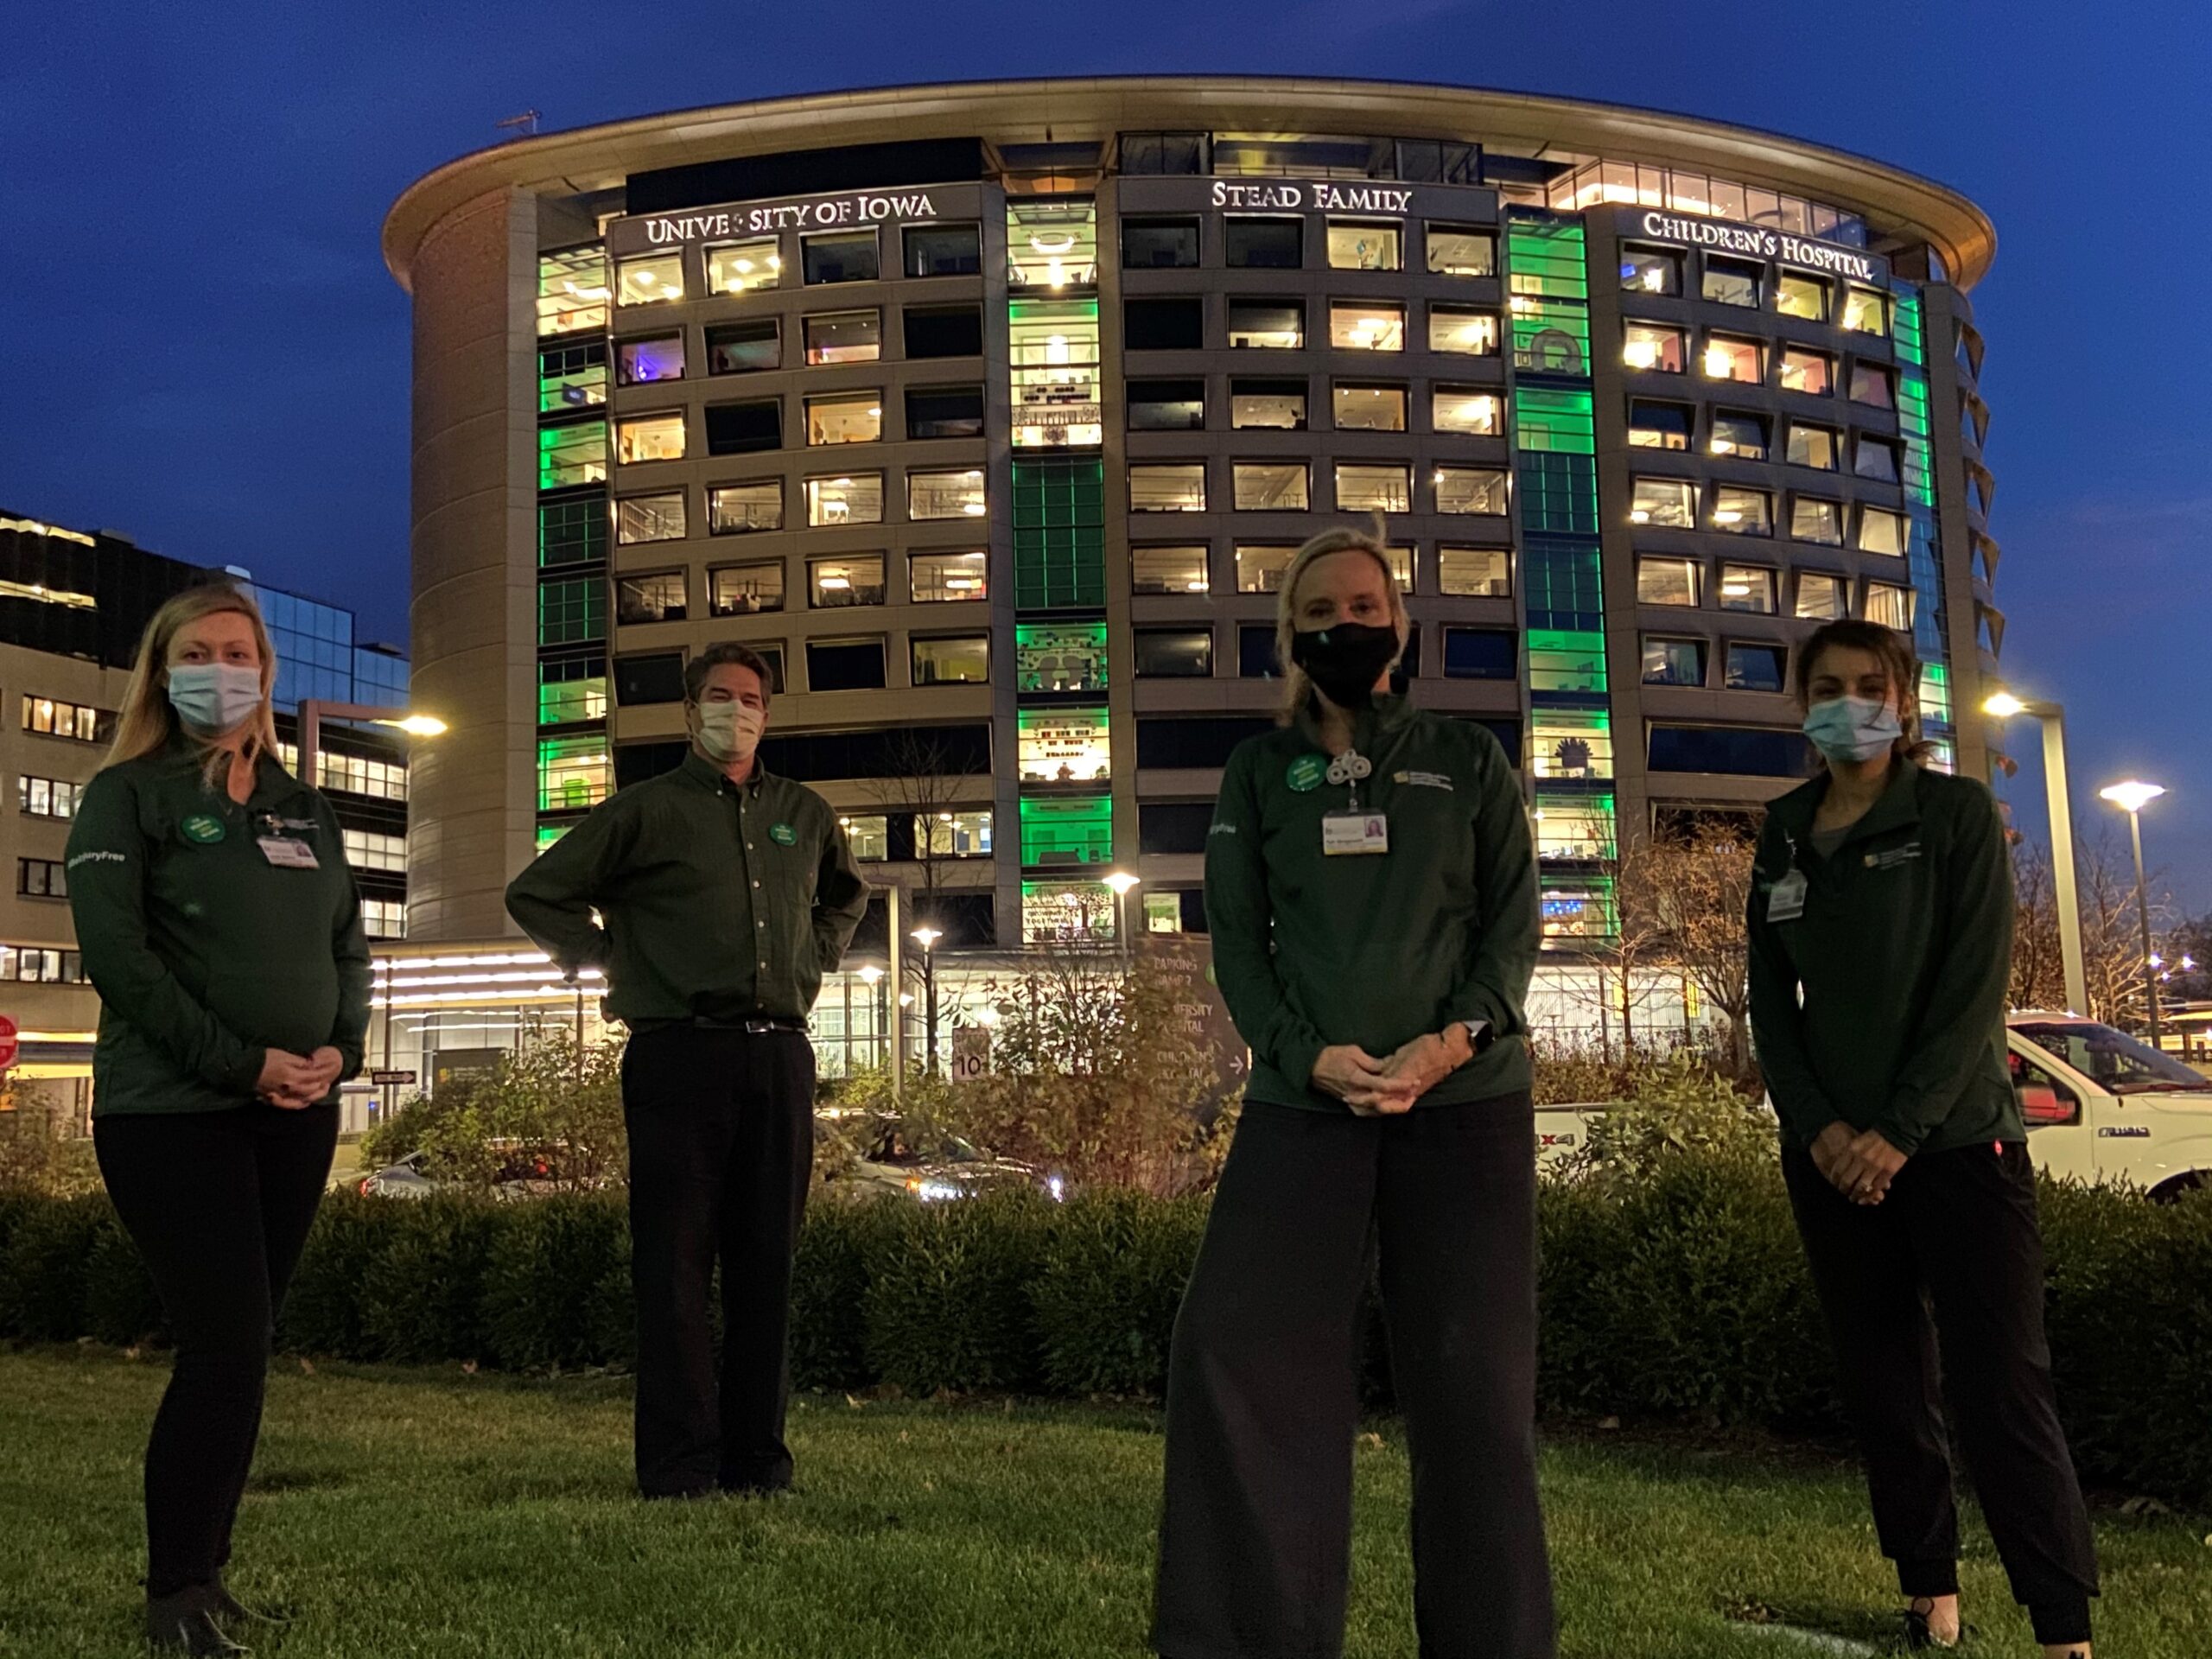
927,936
2132,798
1122,881
2059,801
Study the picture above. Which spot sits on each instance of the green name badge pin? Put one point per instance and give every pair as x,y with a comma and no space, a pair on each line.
782,834
204,828
1306,772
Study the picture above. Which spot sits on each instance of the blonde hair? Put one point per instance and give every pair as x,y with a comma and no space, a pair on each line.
147,721
1343,538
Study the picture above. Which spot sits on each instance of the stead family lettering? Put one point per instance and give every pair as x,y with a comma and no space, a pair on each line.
830,213
1319,194
1767,245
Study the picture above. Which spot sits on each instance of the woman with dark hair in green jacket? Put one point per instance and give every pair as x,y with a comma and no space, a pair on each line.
1881,928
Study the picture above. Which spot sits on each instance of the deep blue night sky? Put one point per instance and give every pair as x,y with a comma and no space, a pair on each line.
205,352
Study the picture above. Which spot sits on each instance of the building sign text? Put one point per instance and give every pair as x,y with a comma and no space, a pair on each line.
1765,244
1318,194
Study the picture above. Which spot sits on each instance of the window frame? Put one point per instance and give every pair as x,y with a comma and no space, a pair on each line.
769,327
1440,310
714,607
1287,464
825,400
815,589
716,529
855,235
916,641
806,327
623,425
1674,340
1699,643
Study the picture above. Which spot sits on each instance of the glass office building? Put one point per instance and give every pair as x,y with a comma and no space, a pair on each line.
991,414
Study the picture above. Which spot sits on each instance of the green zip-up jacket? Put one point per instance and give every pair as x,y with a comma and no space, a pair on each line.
1884,1004
1312,950
722,901
204,953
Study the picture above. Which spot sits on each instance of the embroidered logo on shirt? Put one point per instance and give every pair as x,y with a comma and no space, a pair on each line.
782,834
1223,830
98,858
1306,772
1423,779
203,827
1893,857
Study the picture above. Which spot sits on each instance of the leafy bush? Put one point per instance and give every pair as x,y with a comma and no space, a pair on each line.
947,1307
1108,1283
1675,1107
37,1160
843,1239
542,1107
420,1296
556,1284
1671,1283
42,1274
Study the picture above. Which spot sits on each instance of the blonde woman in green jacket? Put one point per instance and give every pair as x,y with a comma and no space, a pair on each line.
218,922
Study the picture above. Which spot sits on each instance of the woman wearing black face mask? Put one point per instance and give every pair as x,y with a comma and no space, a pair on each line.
1371,893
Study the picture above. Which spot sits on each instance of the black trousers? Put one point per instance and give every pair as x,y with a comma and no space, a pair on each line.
721,1146
1955,1239
219,1205
1262,1393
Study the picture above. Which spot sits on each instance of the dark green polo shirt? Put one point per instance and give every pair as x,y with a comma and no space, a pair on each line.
1313,950
1884,1004
204,952
719,901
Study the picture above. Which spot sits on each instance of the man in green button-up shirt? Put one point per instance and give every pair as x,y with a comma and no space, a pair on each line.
723,894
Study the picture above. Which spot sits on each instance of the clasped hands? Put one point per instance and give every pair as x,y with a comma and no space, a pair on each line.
289,1081
1372,1087
1861,1165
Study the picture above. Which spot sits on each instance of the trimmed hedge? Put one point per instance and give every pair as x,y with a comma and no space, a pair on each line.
1681,1293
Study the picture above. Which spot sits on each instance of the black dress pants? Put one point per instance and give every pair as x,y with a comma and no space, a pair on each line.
1956,1237
722,1147
219,1205
1262,1392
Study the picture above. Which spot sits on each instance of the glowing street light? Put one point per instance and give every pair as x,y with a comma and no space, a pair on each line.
1120,881
2003,705
2132,798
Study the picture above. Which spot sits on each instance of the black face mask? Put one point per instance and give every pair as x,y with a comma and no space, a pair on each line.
1345,661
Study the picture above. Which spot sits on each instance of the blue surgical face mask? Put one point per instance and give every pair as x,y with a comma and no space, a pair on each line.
1852,729
211,698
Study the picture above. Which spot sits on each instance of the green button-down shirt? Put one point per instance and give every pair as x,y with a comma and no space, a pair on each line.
1313,950
1883,1003
205,953
719,901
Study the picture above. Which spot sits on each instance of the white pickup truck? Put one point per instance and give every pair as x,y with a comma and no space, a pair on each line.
2100,1106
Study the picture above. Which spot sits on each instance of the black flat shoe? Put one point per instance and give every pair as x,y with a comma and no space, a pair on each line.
223,1605
185,1623
1918,1638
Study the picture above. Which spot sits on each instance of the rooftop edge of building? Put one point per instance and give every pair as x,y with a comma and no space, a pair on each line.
1082,108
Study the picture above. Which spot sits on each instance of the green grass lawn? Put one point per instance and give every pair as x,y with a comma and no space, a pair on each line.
417,1512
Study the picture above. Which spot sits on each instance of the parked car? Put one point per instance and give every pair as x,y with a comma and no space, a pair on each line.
2103,1107
2100,1106
403,1179
932,1167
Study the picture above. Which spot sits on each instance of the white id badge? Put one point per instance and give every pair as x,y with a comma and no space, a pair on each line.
1785,901
1355,832
288,853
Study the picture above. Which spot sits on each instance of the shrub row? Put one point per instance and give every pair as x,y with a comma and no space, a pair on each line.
1680,1294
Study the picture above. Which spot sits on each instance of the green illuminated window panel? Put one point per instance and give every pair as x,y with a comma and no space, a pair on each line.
1546,257
1060,657
572,454
572,292
1562,582
571,690
1559,492
1549,420
572,532
573,773
571,376
1911,343
1067,832
1059,534
1552,336
1935,694
572,613
1574,827
549,833
1069,912
1578,908
1561,659
1570,743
